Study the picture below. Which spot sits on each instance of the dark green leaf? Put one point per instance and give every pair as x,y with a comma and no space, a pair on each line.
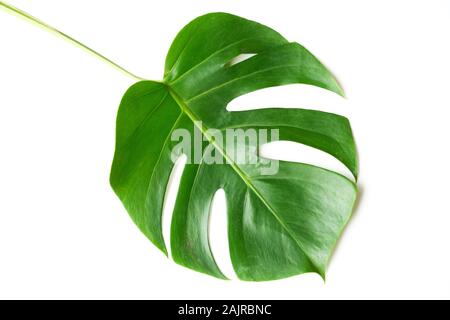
278,225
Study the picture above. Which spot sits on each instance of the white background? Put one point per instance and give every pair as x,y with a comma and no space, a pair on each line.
63,232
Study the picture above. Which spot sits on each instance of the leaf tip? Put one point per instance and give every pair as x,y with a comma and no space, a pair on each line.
339,88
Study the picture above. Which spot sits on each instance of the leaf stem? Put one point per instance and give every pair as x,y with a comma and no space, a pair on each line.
22,14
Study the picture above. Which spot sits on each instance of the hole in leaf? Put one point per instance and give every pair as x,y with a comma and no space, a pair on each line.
218,234
238,59
297,152
170,198
291,96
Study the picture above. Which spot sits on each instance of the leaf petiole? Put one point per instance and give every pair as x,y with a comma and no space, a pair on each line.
28,17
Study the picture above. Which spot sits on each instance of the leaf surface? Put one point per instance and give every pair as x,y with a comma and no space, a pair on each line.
278,225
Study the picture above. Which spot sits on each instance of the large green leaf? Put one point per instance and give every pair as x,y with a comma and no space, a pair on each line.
278,225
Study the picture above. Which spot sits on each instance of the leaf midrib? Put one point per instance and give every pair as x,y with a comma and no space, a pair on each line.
203,129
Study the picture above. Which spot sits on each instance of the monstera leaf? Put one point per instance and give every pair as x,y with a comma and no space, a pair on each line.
279,225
